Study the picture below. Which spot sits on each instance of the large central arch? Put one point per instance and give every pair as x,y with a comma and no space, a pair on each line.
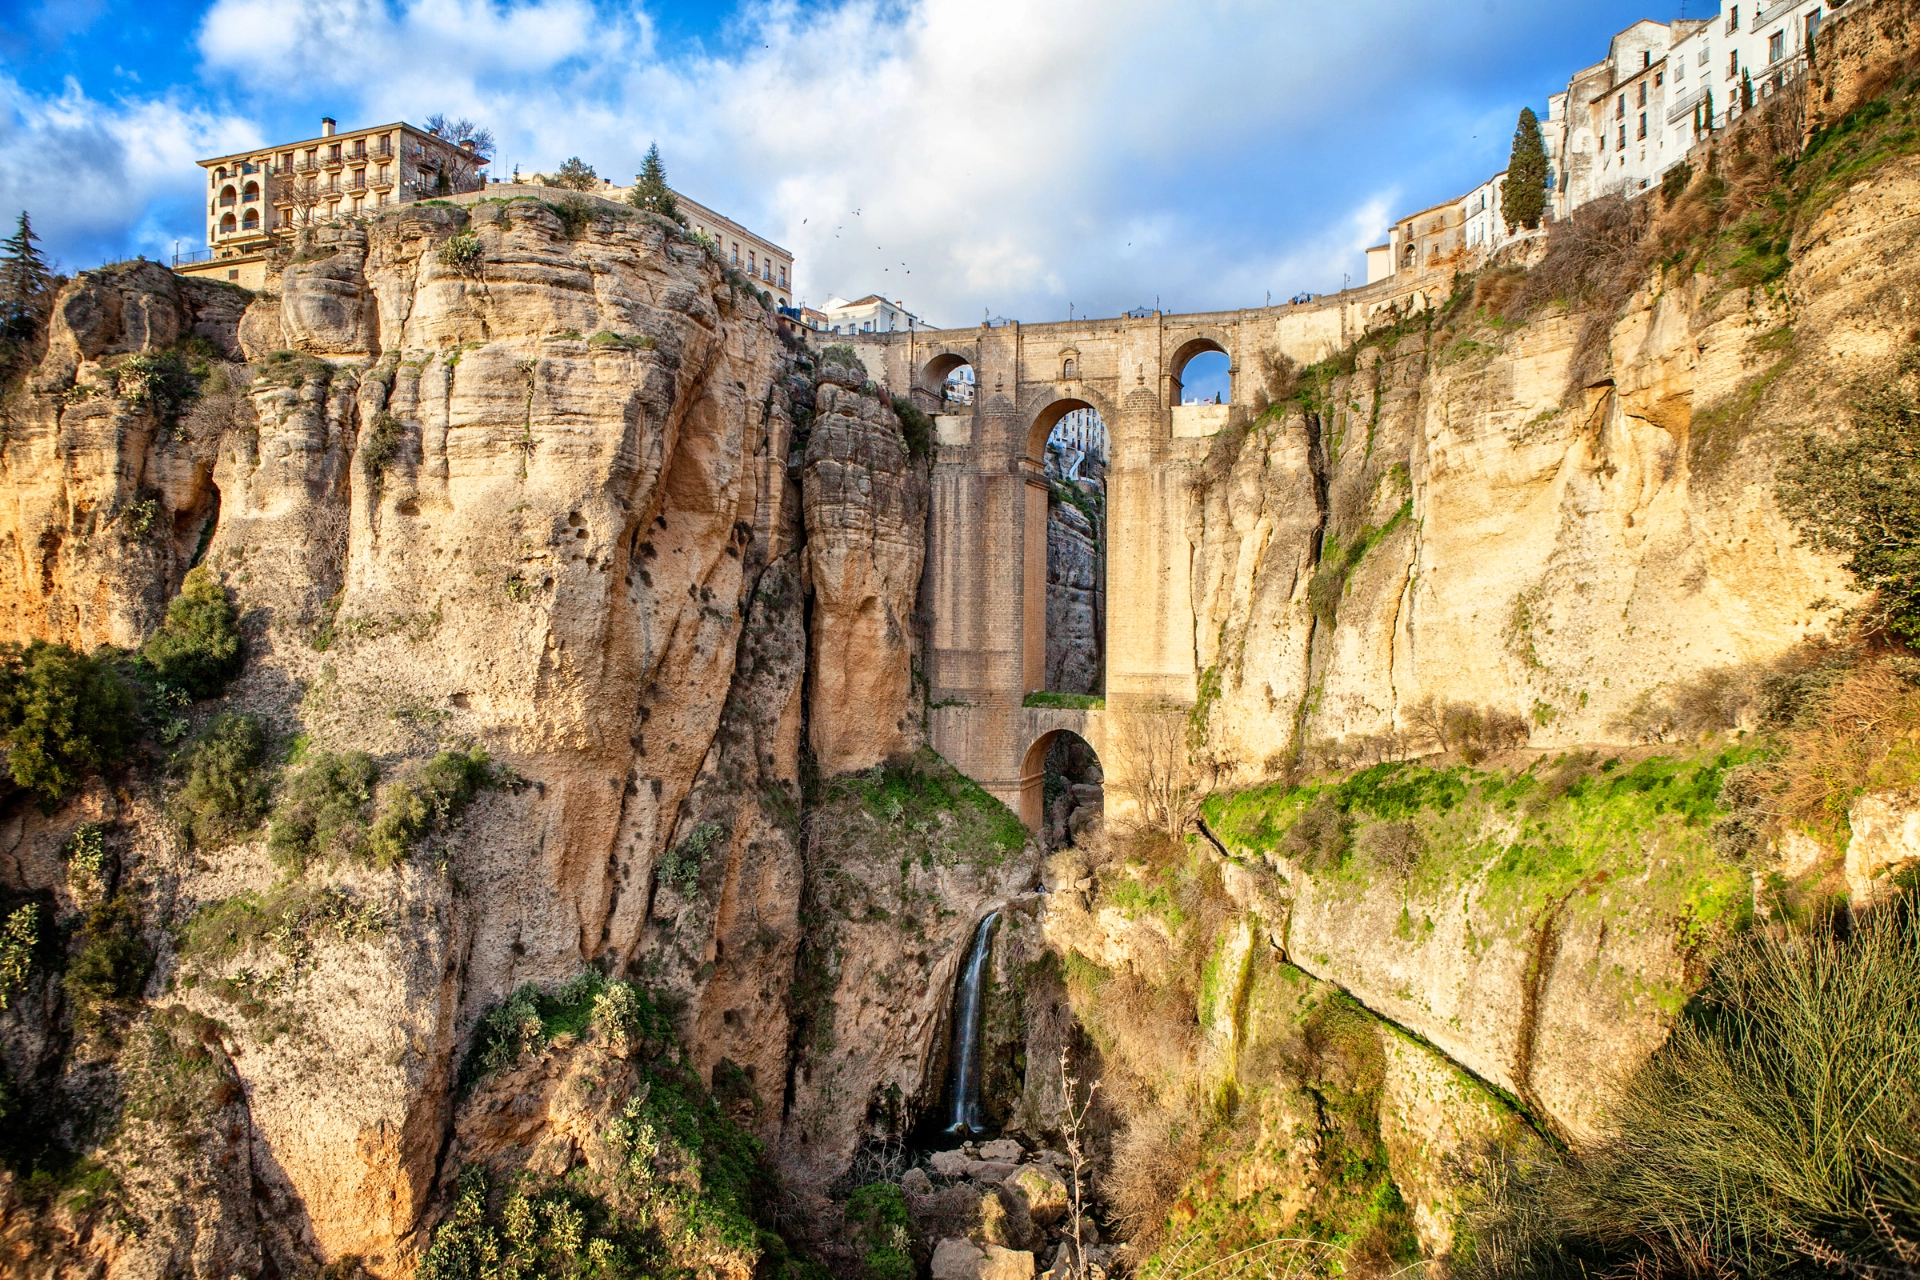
1036,585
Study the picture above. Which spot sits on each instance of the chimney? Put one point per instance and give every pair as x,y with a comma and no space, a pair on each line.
467,145
327,125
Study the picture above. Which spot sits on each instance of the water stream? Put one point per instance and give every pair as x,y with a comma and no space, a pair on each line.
964,1070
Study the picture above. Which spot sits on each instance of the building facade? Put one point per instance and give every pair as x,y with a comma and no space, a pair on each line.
871,314
254,197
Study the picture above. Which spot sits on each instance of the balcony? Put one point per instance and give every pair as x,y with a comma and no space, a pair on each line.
356,184
306,166
226,202
380,181
333,162
1773,11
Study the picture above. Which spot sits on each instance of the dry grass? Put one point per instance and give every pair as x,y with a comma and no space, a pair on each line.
1864,736
1152,1161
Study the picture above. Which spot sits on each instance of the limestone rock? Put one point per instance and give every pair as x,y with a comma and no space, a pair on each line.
1006,1264
1885,842
949,1164
915,1183
1042,1191
866,504
1003,1150
957,1260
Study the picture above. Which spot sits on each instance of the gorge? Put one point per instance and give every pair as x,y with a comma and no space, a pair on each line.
520,763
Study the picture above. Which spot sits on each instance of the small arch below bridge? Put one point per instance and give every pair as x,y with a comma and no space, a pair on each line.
1062,780
949,379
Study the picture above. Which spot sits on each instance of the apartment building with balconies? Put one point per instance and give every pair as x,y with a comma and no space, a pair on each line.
255,197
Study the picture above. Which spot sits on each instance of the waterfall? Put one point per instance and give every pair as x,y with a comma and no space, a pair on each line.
964,1074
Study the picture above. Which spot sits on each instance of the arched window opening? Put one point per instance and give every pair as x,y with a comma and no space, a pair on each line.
226,195
1202,374
1063,792
226,224
252,221
252,191
1068,368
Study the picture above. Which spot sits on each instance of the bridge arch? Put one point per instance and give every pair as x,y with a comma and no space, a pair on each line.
1185,355
1048,415
1083,734
947,378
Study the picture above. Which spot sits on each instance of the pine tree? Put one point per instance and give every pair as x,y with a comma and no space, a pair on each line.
1523,196
650,190
24,280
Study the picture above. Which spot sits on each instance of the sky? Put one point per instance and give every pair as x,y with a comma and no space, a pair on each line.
968,158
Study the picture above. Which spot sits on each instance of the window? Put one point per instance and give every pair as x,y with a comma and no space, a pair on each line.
1813,26
1733,19
1679,70
752,269
1646,59
1066,370
1776,47
333,154
736,253
1620,108
233,273
1643,125
1659,78
1623,137
1706,54
1643,95
1733,65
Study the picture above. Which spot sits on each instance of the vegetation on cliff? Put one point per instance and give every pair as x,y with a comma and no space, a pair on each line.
671,1185
1773,1134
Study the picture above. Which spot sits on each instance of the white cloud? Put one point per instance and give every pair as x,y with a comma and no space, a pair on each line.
91,173
963,155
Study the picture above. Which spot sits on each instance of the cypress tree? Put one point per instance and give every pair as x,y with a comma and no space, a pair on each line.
650,190
24,280
1523,196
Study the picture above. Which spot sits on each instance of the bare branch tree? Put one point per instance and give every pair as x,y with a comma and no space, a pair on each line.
1073,1121
1154,768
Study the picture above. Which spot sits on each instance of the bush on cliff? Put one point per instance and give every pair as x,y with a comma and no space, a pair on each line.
323,811
1776,1133
196,651
225,792
63,715
428,801
678,1193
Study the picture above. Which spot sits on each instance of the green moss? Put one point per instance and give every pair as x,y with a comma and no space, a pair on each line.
1065,701
965,824
876,1216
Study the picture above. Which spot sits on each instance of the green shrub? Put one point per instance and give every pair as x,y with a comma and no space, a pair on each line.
225,794
1858,494
19,938
876,1216
111,964
575,214
681,866
915,426
382,449
197,648
323,811
428,801
163,381
678,1196
1773,1134
462,252
85,853
233,926
63,715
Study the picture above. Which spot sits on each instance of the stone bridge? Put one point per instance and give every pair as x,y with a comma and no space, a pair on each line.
986,575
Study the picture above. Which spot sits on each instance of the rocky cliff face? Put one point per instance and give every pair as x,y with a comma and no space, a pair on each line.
1476,521
478,476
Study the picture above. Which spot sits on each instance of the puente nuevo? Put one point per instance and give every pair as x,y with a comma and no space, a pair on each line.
986,577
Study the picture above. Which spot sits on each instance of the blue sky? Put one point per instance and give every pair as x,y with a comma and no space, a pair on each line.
1014,157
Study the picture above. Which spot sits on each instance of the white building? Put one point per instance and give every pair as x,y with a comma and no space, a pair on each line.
871,314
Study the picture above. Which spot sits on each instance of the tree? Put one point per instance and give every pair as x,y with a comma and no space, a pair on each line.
1707,109
650,190
575,175
461,131
1524,194
24,281
1154,768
